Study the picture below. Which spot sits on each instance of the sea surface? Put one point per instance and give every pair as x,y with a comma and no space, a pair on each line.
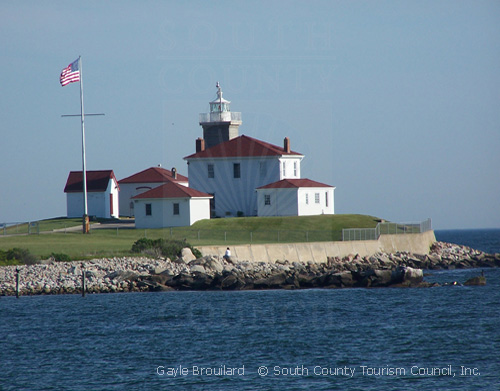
442,338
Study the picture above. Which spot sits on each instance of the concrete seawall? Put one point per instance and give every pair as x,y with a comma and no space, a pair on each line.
319,251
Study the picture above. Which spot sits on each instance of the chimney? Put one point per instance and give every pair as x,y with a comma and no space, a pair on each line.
200,145
286,145
174,173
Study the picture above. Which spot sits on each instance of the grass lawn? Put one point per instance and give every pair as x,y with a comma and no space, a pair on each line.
118,242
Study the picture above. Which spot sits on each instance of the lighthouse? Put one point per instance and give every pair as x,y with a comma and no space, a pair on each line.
221,124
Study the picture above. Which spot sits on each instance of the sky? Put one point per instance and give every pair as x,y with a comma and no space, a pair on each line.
396,103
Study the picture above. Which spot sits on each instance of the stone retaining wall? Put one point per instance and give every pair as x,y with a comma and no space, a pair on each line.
318,252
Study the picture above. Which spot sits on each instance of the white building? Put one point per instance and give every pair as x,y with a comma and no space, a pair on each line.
143,181
102,194
232,171
295,197
170,205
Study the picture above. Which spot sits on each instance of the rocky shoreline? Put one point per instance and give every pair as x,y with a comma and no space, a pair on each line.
209,273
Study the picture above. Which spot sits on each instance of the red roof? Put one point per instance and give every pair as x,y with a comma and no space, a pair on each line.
172,190
154,175
293,183
242,146
96,181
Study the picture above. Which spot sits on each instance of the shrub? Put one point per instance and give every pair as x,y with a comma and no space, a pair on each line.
61,257
166,247
142,244
22,255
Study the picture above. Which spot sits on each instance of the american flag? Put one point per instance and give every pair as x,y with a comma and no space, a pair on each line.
70,74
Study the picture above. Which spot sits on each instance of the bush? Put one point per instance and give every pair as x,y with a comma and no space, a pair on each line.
21,255
167,248
61,257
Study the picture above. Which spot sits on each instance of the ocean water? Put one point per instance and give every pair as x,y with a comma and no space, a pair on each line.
443,338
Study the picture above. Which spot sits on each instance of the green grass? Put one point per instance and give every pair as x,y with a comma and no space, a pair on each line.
43,226
112,242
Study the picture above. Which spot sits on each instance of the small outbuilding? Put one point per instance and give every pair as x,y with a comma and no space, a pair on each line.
295,197
102,194
170,205
143,181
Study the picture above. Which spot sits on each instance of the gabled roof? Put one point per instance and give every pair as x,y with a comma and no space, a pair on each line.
172,190
242,146
293,183
96,181
154,175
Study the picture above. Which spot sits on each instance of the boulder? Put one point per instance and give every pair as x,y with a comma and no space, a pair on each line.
122,275
231,282
274,281
181,281
187,255
413,276
197,269
381,278
158,270
214,265
479,280
202,281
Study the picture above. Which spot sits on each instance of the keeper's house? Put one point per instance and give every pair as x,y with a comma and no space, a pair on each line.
102,194
170,205
143,181
295,197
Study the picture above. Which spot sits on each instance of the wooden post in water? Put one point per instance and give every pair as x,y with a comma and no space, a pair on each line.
17,282
83,281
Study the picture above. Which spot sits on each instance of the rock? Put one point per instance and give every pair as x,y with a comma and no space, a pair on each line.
122,275
158,270
182,281
413,276
187,255
160,278
231,282
202,281
273,282
382,278
214,265
476,281
197,269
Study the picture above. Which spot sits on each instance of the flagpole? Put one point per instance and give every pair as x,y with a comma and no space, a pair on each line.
84,165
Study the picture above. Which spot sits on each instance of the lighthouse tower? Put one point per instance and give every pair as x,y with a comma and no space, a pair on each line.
221,124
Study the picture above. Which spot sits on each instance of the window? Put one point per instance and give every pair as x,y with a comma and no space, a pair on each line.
236,170
176,209
211,172
316,198
263,169
149,211
326,198
284,170
267,199
307,199
294,169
